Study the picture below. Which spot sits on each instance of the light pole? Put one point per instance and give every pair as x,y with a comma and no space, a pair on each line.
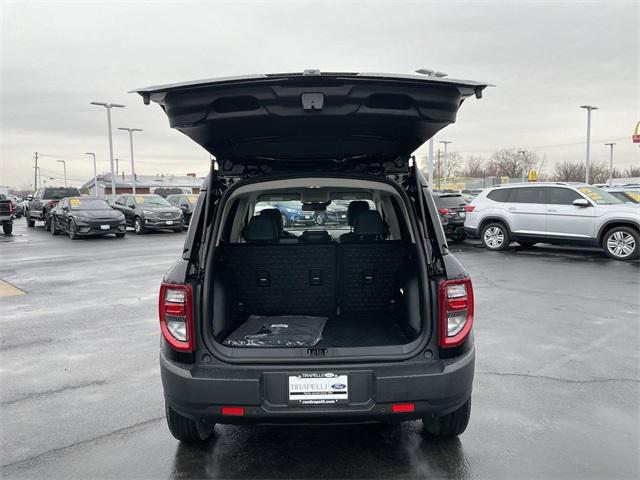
446,159
95,172
133,168
109,106
588,108
610,145
64,166
524,159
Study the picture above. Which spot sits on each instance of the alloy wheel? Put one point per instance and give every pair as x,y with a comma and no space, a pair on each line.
621,244
494,237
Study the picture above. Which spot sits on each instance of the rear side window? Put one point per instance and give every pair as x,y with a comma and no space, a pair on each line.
562,196
60,193
527,195
499,195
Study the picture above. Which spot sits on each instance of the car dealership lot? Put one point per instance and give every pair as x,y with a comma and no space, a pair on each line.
556,392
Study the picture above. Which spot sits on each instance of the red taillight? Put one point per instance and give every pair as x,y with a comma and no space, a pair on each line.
403,408
443,211
10,208
176,316
232,411
469,208
456,311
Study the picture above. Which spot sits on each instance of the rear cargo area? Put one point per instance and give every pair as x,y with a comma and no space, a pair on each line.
362,293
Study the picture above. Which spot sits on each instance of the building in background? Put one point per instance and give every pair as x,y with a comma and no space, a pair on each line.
160,184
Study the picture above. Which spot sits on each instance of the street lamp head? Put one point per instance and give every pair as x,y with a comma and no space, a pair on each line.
589,107
101,104
60,161
610,144
89,153
107,105
431,73
117,105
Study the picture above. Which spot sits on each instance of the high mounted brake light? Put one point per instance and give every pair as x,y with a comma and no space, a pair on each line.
176,316
456,311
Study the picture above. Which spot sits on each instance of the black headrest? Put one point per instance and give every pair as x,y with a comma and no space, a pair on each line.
315,236
369,224
276,215
356,208
261,229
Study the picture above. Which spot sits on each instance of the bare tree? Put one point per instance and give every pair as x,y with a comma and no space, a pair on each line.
507,162
472,167
569,172
632,172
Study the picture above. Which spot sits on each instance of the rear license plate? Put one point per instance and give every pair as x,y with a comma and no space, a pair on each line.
169,222
104,227
318,389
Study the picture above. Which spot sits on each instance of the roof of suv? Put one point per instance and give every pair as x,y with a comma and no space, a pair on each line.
541,184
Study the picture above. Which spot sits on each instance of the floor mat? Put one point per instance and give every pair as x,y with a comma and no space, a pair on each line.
362,331
277,331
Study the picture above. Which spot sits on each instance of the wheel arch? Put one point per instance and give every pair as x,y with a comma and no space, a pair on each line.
491,219
616,223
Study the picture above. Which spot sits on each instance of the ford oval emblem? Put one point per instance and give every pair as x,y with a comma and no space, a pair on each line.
338,386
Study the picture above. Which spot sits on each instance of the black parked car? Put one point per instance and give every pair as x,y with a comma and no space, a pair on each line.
44,200
149,212
185,202
452,210
254,326
6,214
86,216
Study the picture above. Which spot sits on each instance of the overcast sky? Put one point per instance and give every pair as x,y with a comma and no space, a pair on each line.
545,58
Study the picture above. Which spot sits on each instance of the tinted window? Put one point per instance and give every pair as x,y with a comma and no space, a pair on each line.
450,201
499,195
562,196
59,193
527,195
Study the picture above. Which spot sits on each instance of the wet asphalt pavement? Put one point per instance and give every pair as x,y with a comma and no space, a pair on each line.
557,389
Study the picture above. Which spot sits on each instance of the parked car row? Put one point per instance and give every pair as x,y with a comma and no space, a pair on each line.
557,213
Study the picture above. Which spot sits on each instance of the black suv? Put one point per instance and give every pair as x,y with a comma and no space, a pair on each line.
146,212
43,201
370,321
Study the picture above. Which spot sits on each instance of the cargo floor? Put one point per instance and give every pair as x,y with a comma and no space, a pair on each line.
362,331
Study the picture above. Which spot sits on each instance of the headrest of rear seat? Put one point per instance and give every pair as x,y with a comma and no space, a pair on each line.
262,229
315,236
276,215
369,224
354,209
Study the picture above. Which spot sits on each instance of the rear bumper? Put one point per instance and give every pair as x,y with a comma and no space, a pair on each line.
436,388
471,232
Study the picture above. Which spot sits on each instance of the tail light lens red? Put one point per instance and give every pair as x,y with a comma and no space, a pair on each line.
176,316
10,208
469,208
456,311
443,211
403,407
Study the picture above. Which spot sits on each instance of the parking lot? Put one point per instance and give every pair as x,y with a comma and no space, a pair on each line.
556,392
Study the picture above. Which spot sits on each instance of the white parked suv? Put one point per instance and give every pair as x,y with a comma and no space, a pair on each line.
567,213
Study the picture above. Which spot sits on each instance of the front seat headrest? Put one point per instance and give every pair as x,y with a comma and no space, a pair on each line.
261,229
276,215
354,209
369,224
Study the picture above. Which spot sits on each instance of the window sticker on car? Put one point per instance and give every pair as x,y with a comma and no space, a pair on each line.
591,193
633,195
74,202
139,199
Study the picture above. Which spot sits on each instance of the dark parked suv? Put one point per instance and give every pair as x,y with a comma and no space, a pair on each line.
368,321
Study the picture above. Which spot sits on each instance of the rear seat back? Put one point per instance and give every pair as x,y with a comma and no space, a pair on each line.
277,279
369,273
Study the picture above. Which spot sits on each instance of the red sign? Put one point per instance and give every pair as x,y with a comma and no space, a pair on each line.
636,134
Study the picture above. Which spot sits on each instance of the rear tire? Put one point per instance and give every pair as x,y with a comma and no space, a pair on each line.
30,221
495,236
621,243
187,430
452,424
7,228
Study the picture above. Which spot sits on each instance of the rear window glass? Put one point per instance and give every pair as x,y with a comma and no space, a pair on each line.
527,195
499,195
450,201
59,193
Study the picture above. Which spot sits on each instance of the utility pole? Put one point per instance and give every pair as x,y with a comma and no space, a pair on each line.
588,108
133,168
446,158
610,162
95,173
524,160
35,173
109,106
